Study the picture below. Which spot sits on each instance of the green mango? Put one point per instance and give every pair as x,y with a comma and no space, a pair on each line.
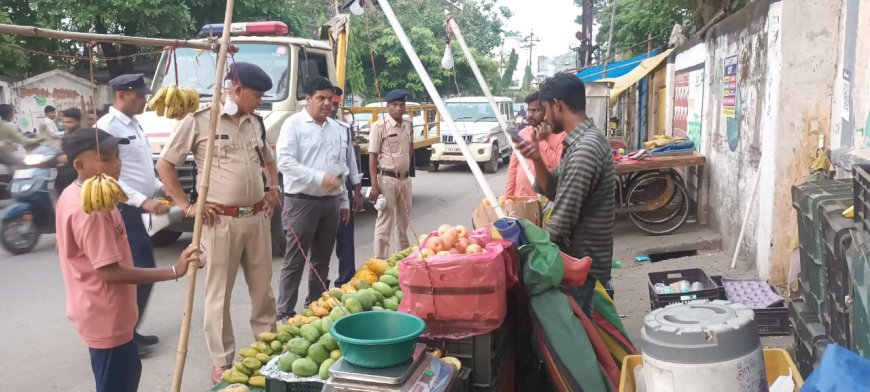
248,352
318,353
236,377
328,341
252,363
263,358
335,354
298,346
265,348
285,363
324,368
310,332
242,368
383,288
336,293
353,305
276,346
283,337
394,272
326,325
377,307
399,294
391,303
304,367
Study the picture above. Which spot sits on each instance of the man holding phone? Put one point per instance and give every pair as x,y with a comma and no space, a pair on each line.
549,143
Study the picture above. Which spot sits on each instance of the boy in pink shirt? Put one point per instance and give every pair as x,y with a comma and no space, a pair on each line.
97,266
550,144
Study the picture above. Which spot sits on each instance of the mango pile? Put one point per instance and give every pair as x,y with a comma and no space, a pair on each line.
304,345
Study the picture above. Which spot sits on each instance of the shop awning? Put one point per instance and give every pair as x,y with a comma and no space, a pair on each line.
623,82
615,69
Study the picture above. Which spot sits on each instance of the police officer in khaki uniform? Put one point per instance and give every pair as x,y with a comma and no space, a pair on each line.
390,148
239,207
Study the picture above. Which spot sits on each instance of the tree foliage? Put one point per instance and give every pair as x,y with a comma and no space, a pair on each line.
507,78
527,78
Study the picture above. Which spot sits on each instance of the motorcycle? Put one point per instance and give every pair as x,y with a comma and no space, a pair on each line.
32,212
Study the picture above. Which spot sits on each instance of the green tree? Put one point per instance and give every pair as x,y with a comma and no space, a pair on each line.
507,78
527,79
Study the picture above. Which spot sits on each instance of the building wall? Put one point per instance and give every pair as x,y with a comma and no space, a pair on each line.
689,93
56,88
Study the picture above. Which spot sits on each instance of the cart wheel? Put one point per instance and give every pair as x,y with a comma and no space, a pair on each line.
433,167
659,189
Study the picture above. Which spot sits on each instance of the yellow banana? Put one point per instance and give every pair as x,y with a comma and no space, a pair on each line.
160,108
193,105
120,195
171,97
96,195
180,108
109,201
157,98
87,205
849,212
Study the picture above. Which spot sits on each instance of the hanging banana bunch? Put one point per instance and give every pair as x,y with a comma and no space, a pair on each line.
101,193
174,102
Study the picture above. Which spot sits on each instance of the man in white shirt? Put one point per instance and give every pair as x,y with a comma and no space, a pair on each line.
47,128
138,179
312,156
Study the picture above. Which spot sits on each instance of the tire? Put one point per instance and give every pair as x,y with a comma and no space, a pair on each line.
433,167
279,240
506,160
666,219
164,238
492,166
15,240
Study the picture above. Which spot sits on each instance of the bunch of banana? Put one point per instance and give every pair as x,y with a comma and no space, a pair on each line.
101,193
174,102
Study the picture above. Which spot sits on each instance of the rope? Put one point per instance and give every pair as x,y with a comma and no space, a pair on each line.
77,57
93,96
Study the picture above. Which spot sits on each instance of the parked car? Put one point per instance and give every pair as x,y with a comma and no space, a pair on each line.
478,126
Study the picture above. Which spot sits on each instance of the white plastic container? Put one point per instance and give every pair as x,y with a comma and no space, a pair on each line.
704,346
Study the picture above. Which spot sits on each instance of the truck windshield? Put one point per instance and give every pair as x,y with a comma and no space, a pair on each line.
470,111
196,68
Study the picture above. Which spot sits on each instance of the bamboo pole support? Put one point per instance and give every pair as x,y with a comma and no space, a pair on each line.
181,355
31,31
488,93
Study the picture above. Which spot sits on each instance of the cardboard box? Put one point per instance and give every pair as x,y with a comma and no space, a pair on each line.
521,207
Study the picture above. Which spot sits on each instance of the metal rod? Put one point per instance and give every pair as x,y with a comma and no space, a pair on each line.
31,31
436,98
746,214
184,335
486,91
610,36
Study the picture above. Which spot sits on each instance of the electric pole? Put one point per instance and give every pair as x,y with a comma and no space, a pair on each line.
529,42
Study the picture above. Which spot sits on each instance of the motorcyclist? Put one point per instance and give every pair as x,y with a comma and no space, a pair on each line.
10,138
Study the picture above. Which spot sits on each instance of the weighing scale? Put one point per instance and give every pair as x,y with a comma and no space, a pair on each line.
424,373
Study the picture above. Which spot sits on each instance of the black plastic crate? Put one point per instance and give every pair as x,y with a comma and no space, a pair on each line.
861,195
710,290
798,191
484,354
772,321
810,337
462,382
273,385
811,269
859,319
836,235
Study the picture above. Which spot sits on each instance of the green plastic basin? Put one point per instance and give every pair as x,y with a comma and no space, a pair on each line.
377,339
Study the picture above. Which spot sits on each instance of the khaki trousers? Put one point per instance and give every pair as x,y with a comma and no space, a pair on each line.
232,243
396,213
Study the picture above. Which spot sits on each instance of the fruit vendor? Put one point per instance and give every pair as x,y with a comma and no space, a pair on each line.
137,180
312,156
391,146
97,266
239,208
583,185
549,143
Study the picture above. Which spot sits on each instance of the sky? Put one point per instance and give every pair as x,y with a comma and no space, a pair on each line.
554,23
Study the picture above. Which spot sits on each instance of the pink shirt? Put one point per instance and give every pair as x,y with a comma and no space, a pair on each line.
103,314
551,151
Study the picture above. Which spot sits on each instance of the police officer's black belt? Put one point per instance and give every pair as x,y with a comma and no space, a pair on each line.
393,174
303,196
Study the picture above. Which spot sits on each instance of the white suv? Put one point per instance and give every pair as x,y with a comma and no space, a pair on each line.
478,126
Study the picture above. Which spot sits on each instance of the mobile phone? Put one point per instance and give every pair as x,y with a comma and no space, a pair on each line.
515,135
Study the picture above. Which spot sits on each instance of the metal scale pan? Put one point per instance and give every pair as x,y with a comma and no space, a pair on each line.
424,373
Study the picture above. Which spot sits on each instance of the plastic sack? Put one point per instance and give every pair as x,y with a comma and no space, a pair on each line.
458,295
839,370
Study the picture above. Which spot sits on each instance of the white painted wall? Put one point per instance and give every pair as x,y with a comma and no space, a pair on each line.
56,88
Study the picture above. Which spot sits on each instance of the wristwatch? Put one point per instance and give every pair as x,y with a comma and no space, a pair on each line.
275,188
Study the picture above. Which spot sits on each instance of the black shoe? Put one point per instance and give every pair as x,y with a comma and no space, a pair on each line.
145,340
145,352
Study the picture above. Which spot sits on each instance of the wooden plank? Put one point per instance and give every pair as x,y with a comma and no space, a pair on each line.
31,31
660,162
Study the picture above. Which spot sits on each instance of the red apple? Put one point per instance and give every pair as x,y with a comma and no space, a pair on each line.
443,228
443,253
474,249
436,244
462,243
426,253
456,251
461,230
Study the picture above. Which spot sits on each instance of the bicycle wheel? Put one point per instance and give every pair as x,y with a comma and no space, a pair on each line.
664,191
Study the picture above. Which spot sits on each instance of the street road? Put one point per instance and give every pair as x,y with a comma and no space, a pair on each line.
41,350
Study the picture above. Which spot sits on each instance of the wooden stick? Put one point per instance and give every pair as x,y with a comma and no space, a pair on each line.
181,355
31,31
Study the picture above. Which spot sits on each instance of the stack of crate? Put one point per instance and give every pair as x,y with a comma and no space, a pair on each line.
857,276
818,205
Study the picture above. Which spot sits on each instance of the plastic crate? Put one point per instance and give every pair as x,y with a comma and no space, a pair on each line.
798,191
861,195
836,233
771,321
776,363
813,277
273,385
860,307
484,354
810,337
710,291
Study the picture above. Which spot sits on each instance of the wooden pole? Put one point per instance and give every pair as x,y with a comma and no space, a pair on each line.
610,38
30,31
181,355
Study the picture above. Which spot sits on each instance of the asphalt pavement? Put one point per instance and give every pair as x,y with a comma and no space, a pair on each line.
41,350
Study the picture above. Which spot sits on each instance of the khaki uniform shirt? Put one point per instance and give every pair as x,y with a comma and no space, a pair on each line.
236,174
392,142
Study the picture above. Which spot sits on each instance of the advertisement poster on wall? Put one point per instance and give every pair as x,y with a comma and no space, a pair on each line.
681,105
688,102
729,93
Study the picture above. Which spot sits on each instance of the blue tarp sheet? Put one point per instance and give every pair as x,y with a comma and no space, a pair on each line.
614,69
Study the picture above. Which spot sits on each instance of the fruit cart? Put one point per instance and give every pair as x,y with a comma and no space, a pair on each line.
660,193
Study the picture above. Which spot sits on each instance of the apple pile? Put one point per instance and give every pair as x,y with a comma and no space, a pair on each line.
502,200
449,240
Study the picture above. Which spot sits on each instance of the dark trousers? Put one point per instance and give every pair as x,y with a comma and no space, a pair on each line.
143,251
311,227
583,295
344,248
117,369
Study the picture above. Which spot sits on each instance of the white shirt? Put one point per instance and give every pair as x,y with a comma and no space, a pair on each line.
137,165
355,176
307,151
48,131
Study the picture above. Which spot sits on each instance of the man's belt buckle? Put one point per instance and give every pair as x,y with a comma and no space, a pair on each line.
245,212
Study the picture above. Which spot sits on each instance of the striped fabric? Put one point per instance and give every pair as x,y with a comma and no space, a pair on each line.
583,190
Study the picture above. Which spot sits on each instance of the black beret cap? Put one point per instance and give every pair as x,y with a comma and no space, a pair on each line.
250,76
397,95
130,82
